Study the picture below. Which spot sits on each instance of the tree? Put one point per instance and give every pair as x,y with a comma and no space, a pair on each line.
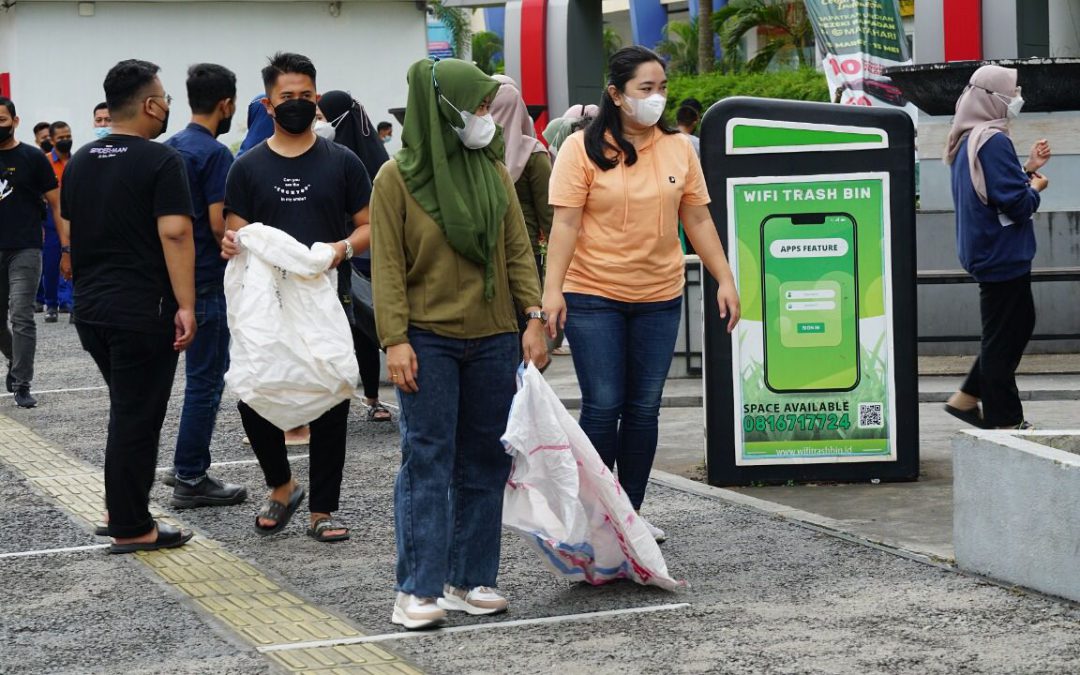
786,23
458,21
680,47
706,59
485,46
612,43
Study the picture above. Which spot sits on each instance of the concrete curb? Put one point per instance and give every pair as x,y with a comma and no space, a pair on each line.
813,521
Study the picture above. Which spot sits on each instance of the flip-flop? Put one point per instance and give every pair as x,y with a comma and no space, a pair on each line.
322,526
167,537
970,416
374,412
281,513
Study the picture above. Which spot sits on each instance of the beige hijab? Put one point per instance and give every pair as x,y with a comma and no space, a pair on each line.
981,113
508,109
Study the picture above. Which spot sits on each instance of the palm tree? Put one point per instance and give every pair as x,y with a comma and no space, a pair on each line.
680,47
786,21
706,54
485,45
459,23
612,42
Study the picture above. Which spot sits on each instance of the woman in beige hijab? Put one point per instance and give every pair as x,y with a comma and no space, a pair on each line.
527,161
995,198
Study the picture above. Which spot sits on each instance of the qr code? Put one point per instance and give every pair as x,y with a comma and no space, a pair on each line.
870,416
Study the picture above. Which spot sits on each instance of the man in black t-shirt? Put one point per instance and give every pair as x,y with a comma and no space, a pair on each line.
309,187
133,263
26,184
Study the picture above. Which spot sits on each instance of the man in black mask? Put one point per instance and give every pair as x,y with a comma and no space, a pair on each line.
26,185
133,259
211,93
317,191
55,292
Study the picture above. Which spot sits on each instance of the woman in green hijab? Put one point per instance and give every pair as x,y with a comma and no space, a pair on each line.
451,269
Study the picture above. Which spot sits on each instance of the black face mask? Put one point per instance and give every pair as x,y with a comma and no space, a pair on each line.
295,115
223,126
46,145
6,132
63,147
164,124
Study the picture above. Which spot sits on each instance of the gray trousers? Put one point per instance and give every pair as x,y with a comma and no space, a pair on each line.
20,272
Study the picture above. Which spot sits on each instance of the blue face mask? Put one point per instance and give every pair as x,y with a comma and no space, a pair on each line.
102,132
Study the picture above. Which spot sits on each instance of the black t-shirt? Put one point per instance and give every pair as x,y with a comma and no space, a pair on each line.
114,191
25,177
312,197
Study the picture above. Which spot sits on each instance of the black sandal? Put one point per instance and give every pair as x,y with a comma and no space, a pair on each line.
322,526
278,512
167,537
379,413
970,416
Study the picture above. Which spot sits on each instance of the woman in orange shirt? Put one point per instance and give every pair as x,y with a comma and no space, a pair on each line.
615,266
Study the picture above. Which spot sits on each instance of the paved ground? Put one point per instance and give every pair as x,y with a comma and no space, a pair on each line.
766,596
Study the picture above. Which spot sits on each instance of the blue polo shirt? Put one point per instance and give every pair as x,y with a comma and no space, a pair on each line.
207,162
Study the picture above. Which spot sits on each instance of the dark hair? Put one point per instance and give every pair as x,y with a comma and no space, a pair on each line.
385,125
57,126
686,116
101,106
692,103
286,62
41,125
207,85
9,104
622,67
126,83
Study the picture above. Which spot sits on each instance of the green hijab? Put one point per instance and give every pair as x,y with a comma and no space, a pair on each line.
460,189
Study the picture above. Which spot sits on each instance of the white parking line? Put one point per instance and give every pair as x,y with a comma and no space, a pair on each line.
386,637
66,391
292,458
51,551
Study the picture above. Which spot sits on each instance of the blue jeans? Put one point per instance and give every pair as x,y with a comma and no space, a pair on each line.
449,492
54,291
205,364
622,352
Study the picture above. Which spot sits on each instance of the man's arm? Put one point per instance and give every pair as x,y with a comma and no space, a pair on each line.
178,245
217,220
360,237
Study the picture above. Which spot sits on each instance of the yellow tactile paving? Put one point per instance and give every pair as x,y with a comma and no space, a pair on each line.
221,584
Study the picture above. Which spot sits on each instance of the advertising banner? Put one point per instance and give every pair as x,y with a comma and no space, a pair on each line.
858,40
812,357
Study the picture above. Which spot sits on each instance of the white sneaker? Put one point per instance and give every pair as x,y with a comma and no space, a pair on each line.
655,531
480,600
415,613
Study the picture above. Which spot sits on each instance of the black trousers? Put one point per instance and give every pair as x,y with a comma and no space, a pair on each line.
367,357
327,453
138,369
1008,320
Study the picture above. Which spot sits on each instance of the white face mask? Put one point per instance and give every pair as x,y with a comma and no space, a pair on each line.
478,130
1015,104
325,130
646,111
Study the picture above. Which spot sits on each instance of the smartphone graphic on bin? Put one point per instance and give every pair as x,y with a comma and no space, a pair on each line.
810,302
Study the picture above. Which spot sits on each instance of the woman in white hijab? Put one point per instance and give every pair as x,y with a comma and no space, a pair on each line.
995,198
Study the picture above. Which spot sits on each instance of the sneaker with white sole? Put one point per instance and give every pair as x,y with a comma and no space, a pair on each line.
655,531
415,613
476,601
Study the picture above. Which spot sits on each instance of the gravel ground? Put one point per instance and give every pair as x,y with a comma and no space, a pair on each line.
765,596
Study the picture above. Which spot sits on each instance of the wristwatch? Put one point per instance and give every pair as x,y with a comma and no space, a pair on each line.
541,316
348,249
65,249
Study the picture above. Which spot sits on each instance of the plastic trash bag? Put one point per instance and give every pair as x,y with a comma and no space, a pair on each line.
291,355
565,502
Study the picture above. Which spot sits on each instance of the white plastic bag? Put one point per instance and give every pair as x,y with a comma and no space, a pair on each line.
566,503
291,355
